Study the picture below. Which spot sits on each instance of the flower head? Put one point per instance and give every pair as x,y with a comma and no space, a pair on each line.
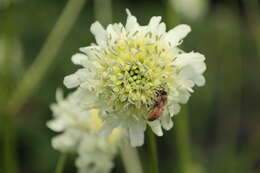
124,71
79,134
183,8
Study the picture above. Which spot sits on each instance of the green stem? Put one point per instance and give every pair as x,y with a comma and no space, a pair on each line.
103,15
9,150
183,143
181,129
61,163
8,154
130,159
45,58
153,151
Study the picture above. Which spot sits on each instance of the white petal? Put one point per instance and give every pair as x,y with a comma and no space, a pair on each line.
64,142
131,22
154,21
174,109
109,125
74,80
136,134
98,31
193,58
166,122
190,75
106,130
156,127
71,81
199,80
156,27
175,35
89,50
117,27
192,67
78,58
59,95
56,125
161,29
184,96
113,33
87,99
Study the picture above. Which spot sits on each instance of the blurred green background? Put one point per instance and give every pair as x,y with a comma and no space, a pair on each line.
217,132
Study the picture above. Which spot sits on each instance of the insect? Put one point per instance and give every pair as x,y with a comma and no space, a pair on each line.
158,107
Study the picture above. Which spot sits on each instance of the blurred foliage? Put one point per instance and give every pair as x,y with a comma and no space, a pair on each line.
222,118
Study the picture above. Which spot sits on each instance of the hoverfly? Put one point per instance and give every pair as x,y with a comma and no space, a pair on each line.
158,107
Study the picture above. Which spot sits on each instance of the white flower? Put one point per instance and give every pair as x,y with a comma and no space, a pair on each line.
190,9
79,134
122,74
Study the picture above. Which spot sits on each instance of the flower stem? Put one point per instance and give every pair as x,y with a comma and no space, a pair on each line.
153,150
45,58
9,146
183,142
61,163
181,128
103,15
8,156
130,159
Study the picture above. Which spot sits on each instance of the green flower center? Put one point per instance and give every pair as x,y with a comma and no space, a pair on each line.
133,69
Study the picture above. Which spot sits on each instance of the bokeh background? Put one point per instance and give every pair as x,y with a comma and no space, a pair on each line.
218,131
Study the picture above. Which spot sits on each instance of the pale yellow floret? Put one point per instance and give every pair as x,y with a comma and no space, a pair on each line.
113,138
94,123
133,68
